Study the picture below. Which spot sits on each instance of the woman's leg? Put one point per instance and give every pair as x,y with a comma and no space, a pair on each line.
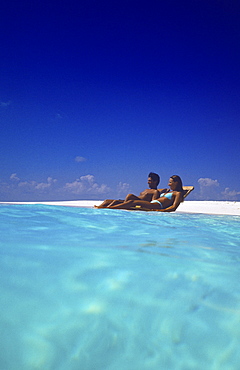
131,203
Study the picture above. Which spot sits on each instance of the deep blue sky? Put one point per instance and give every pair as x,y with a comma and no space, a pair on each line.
96,94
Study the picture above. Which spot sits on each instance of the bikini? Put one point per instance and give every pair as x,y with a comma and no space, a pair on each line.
166,195
157,201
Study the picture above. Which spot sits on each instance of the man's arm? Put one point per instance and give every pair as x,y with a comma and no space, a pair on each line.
147,194
131,197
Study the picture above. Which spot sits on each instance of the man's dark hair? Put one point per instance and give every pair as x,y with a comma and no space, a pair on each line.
154,177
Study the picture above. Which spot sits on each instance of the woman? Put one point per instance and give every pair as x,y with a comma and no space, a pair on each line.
167,201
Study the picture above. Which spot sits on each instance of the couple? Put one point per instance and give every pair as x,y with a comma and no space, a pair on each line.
153,199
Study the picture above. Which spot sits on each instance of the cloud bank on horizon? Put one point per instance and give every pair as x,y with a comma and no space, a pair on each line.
86,188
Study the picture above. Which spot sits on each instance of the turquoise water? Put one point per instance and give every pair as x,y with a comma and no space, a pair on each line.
104,289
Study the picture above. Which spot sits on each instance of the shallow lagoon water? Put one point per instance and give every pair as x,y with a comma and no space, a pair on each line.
104,289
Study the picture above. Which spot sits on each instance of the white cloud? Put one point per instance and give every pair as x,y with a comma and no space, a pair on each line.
30,186
76,187
206,182
123,188
31,189
34,186
208,188
230,194
80,159
211,190
14,177
44,185
86,185
87,178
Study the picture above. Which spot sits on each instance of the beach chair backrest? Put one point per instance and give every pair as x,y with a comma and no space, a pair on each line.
187,190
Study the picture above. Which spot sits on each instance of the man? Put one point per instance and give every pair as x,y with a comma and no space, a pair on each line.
147,194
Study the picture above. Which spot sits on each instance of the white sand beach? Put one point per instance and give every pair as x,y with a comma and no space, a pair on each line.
207,207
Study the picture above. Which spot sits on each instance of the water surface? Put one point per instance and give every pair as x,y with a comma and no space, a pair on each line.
105,289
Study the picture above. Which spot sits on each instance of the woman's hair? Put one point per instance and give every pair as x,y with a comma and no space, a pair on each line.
177,179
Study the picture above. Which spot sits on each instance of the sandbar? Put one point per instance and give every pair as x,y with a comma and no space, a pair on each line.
205,207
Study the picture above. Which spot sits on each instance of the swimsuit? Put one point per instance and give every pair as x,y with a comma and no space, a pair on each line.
157,201
166,195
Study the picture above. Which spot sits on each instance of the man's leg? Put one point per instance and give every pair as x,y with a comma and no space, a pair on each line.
115,202
107,202
133,203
